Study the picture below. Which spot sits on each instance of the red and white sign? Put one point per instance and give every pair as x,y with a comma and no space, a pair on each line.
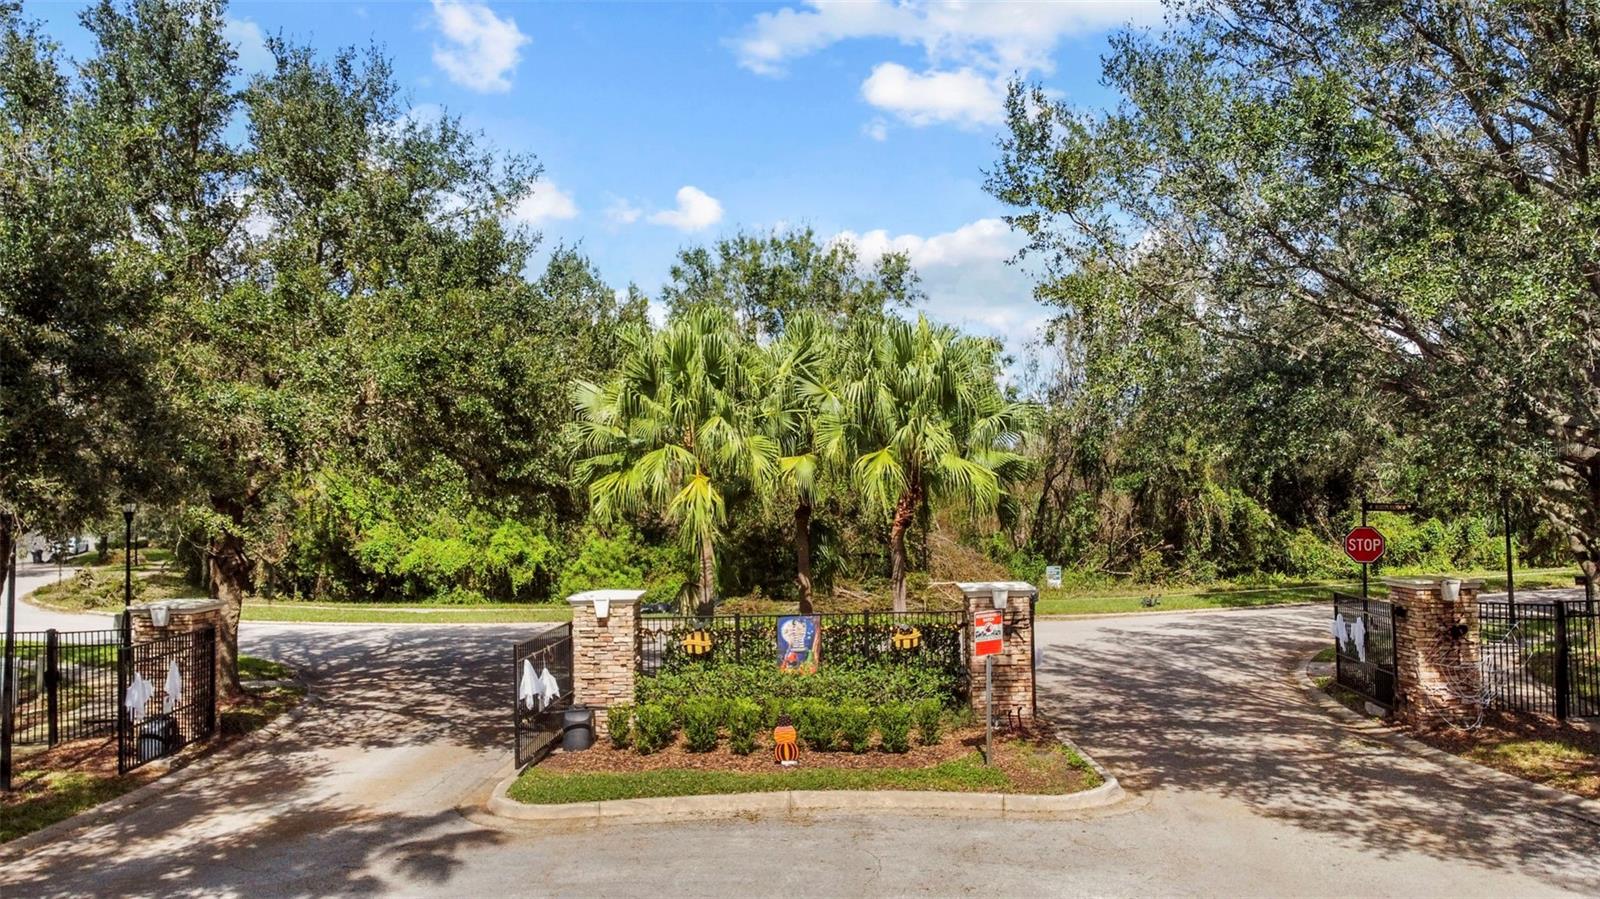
988,632
1364,545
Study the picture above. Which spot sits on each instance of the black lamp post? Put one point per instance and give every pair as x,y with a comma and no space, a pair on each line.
127,571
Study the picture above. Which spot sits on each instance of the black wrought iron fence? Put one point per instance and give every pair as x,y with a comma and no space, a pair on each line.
542,683
933,639
1540,658
178,703
66,685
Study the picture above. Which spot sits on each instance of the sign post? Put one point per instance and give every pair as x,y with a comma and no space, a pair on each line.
988,637
1364,545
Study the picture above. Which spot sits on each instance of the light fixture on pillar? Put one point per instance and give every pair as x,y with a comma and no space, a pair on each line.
602,607
1000,595
1450,590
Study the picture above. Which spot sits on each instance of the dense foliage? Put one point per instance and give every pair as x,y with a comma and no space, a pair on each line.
1319,250
761,681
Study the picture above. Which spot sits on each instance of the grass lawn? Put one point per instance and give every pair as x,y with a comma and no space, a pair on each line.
1021,767
1343,695
252,668
1535,749
95,589
1128,598
258,610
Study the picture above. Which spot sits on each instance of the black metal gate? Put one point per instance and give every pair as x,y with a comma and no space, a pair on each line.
536,708
1363,650
1541,657
168,696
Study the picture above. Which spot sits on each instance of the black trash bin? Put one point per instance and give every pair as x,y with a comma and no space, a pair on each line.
577,729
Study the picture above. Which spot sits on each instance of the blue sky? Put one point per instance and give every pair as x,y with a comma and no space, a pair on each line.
664,125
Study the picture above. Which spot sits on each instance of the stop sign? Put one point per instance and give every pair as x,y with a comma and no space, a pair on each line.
1364,545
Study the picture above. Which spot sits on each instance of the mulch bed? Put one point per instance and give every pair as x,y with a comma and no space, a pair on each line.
1503,731
1029,756
603,757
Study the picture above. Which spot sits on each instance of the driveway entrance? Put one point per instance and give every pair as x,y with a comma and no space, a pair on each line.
1242,789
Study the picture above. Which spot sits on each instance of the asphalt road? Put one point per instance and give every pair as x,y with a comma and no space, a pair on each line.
1242,788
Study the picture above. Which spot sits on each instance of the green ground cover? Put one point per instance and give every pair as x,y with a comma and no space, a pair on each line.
1130,598
364,614
967,774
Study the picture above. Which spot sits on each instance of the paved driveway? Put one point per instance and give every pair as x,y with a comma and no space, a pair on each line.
1242,790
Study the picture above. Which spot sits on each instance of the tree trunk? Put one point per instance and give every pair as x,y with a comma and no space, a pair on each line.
802,553
230,581
708,577
905,510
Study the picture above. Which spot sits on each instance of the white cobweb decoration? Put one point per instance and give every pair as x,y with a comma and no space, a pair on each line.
1473,674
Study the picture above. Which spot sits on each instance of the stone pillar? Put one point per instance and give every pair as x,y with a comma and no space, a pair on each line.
605,649
1013,667
184,616
1436,649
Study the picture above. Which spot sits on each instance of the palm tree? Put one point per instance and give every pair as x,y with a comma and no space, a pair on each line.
672,434
795,394
922,416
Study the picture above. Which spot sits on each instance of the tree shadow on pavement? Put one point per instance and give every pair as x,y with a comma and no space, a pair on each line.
1206,703
358,791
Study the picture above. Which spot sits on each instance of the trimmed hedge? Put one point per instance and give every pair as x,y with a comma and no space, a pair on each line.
763,683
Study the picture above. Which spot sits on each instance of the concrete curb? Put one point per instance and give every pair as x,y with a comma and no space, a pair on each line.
168,778
1571,804
792,803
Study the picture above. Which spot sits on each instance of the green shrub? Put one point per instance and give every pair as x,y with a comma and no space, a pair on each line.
744,720
652,727
855,726
894,727
873,684
458,596
928,716
619,724
817,723
701,719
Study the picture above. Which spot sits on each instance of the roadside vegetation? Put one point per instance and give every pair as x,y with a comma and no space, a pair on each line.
299,338
1020,766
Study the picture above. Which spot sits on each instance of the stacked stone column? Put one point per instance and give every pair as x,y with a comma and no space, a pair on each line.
1013,667
1436,649
605,650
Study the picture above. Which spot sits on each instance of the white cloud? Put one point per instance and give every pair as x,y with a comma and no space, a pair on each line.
1016,35
985,240
967,276
482,48
622,212
249,43
877,129
963,97
696,211
547,203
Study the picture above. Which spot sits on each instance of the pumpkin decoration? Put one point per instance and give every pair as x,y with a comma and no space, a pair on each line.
786,742
906,638
697,643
